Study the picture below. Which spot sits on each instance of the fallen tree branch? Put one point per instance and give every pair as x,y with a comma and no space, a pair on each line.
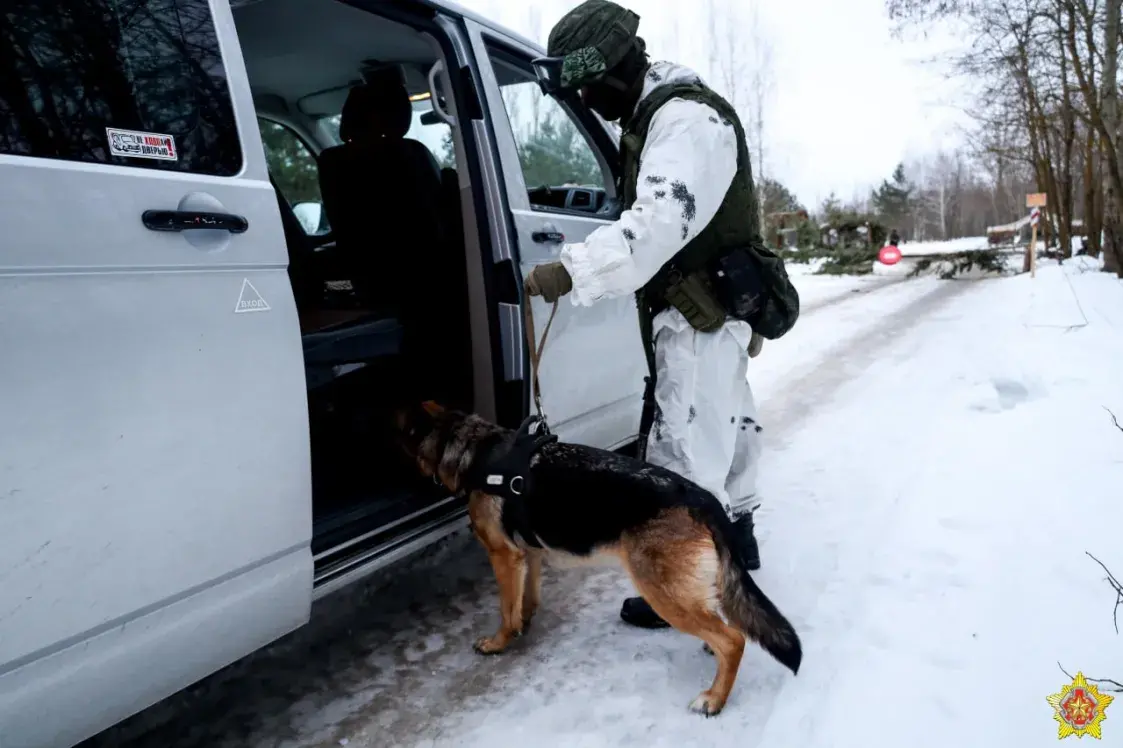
951,264
1115,686
1113,418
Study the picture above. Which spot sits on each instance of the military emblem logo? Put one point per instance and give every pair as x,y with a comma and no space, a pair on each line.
1079,709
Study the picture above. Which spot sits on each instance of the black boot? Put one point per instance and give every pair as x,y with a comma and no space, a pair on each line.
637,612
744,526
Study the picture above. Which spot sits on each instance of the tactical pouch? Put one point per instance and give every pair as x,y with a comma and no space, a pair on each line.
694,298
737,284
752,284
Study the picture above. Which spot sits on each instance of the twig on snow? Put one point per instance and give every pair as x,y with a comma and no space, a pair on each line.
1113,418
1116,686
1115,585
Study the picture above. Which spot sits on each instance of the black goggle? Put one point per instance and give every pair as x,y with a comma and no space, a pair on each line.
548,72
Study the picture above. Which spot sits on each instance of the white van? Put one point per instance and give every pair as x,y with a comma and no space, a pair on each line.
208,305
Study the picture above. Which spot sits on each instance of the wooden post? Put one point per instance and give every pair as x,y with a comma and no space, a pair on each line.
1033,251
1036,202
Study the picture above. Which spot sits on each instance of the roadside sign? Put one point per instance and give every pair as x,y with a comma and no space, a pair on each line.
1036,200
889,255
1034,216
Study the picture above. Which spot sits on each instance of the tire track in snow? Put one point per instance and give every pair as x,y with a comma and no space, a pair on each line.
860,292
834,544
784,411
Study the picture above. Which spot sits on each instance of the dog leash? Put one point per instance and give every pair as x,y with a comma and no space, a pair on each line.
536,352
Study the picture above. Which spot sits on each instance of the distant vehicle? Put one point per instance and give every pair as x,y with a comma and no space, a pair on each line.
195,371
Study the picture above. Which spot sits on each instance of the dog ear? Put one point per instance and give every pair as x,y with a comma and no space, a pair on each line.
432,408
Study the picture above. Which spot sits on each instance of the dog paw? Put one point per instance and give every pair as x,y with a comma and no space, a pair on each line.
706,705
488,646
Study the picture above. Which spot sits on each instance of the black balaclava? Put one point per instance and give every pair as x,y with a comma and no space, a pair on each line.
615,96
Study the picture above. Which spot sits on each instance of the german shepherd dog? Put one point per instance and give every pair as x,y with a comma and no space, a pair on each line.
672,537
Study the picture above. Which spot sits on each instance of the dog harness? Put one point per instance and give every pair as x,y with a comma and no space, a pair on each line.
506,473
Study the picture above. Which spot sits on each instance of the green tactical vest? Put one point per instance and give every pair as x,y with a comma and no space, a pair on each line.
735,225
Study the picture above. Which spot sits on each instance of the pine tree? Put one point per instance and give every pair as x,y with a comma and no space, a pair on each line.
776,198
831,208
893,200
291,164
556,154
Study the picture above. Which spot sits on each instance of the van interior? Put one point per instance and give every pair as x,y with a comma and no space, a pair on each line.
367,186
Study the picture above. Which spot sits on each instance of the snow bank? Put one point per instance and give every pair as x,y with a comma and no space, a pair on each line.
931,532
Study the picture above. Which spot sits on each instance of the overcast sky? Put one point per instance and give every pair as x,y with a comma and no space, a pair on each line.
848,101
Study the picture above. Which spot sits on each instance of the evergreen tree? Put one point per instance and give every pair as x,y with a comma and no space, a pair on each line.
555,153
831,208
776,198
892,201
291,164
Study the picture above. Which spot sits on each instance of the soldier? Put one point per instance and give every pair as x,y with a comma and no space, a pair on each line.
687,244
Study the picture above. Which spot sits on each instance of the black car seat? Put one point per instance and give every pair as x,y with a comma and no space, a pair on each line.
396,221
382,194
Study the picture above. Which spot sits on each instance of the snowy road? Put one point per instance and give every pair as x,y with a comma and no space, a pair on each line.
939,461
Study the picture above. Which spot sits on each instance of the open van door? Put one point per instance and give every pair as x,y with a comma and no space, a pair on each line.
155,497
556,165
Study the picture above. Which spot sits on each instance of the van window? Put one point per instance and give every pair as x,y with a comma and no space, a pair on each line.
553,151
296,172
124,82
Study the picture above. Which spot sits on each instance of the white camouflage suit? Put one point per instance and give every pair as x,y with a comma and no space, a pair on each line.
706,425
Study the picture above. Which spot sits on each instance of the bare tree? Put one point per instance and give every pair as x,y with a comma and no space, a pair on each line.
1046,73
761,85
742,70
940,182
728,54
1108,125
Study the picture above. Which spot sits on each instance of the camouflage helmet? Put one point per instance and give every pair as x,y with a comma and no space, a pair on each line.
589,41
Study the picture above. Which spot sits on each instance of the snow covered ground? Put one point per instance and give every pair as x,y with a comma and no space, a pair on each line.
939,461
819,290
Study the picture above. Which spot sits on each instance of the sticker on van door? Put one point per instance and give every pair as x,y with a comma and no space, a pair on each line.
135,144
249,300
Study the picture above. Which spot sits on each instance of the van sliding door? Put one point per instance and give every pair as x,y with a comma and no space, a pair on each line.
155,493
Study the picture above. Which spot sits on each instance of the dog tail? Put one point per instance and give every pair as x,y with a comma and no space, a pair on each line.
749,609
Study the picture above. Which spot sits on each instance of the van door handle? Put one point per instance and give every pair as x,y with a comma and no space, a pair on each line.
552,236
183,220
